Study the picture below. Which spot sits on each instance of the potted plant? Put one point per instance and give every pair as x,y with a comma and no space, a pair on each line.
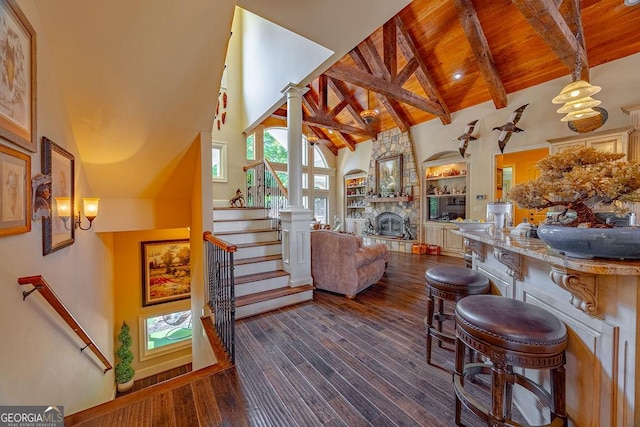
124,371
575,180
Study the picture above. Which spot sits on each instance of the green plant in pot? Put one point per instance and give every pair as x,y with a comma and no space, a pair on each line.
575,180
124,371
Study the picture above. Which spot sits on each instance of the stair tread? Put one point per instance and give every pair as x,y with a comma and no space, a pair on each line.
257,259
254,244
242,219
257,230
239,280
272,294
228,208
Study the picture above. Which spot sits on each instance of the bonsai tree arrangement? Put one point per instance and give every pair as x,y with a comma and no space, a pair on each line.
124,371
576,179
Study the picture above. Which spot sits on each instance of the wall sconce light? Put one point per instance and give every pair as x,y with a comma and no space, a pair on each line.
90,205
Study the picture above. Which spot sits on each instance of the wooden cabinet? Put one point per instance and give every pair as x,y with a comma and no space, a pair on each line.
611,141
440,233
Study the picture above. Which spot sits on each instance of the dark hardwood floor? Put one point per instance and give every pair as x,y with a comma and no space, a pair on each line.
331,361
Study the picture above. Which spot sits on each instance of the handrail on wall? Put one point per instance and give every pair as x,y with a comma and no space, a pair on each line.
47,293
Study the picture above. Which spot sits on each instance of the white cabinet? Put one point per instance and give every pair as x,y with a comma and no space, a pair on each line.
612,141
355,189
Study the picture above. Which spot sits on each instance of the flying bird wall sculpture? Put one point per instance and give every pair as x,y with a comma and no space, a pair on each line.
466,137
508,128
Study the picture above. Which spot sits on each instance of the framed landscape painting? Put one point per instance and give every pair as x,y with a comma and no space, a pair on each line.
389,176
166,271
18,82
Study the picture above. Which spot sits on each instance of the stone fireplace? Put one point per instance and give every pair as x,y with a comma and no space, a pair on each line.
387,221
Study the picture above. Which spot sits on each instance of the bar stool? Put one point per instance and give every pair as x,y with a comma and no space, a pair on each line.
451,284
511,334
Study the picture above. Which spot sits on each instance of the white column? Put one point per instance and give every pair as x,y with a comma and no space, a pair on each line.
294,136
296,235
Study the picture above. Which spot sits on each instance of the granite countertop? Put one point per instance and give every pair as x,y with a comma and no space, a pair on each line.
536,248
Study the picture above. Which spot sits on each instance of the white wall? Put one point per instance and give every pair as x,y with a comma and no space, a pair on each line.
40,361
273,57
618,79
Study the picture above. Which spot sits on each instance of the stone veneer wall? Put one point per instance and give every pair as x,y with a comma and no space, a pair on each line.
391,143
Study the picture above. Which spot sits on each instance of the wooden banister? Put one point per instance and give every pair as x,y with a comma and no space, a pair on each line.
270,168
47,293
225,246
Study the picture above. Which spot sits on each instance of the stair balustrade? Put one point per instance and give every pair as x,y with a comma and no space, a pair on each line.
47,293
265,190
221,292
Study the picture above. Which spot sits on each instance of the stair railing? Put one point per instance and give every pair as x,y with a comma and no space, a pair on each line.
266,191
47,293
221,292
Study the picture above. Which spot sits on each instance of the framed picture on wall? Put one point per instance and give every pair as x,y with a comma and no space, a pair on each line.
389,176
18,82
166,271
58,230
15,192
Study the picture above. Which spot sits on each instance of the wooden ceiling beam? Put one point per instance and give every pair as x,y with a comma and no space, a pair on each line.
376,84
357,57
410,51
546,19
351,145
395,112
341,89
337,109
322,93
364,53
389,47
310,104
324,122
480,47
373,60
407,71
324,139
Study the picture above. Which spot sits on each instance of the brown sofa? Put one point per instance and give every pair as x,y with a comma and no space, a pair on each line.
341,264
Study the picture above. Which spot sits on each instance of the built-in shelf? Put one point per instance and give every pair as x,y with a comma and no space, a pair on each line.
445,195
390,199
446,177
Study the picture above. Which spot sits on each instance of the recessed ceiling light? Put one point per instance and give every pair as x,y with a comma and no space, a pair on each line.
631,2
458,76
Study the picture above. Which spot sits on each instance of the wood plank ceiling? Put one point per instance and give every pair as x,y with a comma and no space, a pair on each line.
405,68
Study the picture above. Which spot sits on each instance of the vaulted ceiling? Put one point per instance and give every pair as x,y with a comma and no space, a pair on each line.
405,68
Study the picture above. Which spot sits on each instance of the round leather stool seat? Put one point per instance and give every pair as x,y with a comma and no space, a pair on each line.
457,280
448,283
510,334
511,324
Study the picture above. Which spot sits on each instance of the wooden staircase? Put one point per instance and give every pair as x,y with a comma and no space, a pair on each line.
261,284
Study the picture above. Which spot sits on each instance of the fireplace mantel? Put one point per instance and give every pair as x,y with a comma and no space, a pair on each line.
398,199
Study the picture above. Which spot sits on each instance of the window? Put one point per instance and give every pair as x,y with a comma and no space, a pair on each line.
219,161
164,333
276,152
275,145
251,147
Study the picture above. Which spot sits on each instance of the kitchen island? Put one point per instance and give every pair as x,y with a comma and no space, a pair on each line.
598,300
